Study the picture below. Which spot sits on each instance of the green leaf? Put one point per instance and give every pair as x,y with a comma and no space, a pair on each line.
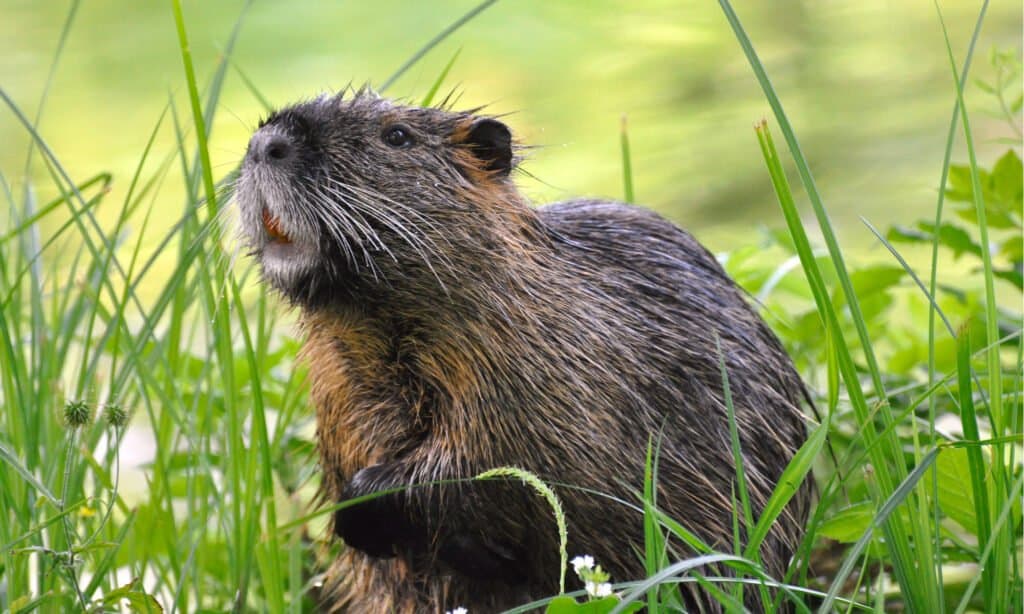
849,524
1001,191
984,86
568,605
1013,249
951,236
563,605
993,216
143,603
1007,181
959,184
138,601
954,488
874,279
1013,276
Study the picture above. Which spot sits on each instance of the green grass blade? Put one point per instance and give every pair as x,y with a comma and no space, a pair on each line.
919,581
677,569
256,93
627,162
432,92
997,589
654,540
939,206
425,49
897,539
835,254
100,178
790,481
50,73
197,110
975,462
898,496
549,495
12,460
745,508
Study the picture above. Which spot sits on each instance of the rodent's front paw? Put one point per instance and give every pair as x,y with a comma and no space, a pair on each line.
479,558
380,527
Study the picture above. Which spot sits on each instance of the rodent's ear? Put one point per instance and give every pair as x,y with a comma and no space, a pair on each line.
491,142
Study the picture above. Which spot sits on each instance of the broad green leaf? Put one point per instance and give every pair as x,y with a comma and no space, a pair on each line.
849,524
874,279
959,184
1011,275
563,605
142,603
568,605
950,236
1007,181
1013,249
138,601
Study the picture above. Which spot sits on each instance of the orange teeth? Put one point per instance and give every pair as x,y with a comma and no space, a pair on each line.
273,227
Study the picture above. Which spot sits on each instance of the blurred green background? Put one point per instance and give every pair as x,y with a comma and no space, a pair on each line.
866,83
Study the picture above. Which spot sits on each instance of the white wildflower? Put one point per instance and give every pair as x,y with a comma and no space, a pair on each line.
595,589
582,562
458,611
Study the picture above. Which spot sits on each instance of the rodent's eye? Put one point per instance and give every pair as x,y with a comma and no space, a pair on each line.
397,136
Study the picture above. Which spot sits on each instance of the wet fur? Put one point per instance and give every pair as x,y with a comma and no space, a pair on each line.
451,328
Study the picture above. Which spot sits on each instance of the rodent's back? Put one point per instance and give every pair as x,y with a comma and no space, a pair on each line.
677,319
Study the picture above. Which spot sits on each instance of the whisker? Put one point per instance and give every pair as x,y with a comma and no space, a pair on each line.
343,208
360,206
423,244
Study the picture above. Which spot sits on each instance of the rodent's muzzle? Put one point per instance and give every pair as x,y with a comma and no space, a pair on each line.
283,239
269,155
270,147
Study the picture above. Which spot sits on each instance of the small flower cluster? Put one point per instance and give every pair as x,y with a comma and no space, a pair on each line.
457,611
78,414
595,579
115,415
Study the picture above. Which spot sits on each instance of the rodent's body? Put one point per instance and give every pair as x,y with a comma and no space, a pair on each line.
562,340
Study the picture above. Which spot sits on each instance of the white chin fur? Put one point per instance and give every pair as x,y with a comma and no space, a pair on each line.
284,263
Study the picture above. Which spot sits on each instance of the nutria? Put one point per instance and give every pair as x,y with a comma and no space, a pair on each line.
452,328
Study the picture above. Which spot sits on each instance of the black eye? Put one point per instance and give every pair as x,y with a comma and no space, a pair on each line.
397,136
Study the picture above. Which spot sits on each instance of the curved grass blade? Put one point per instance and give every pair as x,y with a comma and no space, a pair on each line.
429,98
416,57
11,458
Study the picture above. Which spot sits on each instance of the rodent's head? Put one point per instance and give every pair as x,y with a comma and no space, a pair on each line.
340,195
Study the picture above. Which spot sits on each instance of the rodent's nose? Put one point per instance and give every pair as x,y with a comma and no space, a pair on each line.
270,147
